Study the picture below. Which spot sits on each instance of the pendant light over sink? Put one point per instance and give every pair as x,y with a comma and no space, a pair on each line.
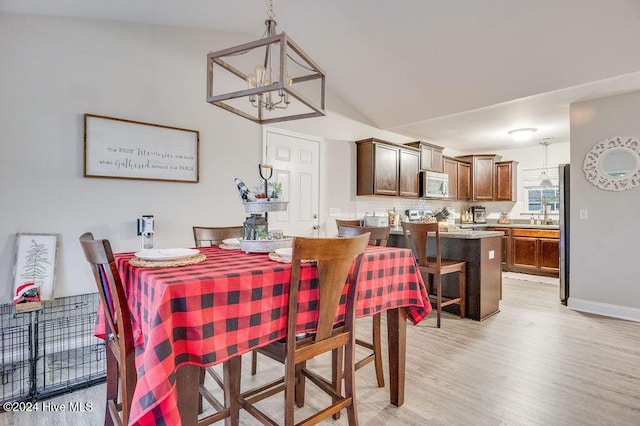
267,80
545,182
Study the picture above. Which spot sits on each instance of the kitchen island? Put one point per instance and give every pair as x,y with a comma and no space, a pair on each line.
482,250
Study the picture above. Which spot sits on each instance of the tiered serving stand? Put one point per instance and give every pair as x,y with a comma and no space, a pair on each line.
264,246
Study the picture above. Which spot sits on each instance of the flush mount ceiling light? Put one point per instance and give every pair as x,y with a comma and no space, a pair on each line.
267,80
522,135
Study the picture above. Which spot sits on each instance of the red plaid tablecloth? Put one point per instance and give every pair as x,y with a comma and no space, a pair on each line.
234,302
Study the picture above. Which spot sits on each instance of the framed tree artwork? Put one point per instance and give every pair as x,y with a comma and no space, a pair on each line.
34,270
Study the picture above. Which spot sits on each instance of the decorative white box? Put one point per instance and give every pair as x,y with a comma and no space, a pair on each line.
377,221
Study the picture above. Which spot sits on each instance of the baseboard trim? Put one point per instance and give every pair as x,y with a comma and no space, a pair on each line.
606,309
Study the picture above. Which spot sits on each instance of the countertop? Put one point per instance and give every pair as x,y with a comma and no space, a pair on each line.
508,225
467,234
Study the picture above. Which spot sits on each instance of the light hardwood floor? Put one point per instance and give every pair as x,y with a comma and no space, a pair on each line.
534,363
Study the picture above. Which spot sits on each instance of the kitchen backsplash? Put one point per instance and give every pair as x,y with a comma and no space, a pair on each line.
380,205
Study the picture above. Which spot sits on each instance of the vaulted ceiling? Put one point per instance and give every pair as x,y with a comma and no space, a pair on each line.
458,72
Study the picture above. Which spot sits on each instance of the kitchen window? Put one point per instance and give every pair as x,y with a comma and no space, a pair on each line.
535,195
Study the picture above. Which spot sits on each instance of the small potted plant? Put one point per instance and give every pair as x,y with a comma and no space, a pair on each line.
276,189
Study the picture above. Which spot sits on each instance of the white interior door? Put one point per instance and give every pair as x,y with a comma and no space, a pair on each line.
296,165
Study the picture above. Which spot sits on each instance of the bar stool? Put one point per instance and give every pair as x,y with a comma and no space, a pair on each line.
416,237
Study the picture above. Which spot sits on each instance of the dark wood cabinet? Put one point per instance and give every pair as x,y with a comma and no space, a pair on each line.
377,169
506,246
384,168
535,251
525,253
549,260
506,179
464,181
482,176
409,173
431,157
459,178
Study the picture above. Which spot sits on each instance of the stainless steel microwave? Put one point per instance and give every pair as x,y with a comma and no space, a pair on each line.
434,185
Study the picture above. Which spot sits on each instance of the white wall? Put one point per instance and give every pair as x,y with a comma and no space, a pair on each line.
604,247
53,70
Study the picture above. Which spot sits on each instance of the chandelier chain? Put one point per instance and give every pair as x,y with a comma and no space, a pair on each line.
270,13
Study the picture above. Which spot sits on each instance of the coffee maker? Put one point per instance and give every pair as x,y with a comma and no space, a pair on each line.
479,214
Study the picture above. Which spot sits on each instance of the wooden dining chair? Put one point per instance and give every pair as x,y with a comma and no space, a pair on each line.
213,236
378,237
120,354
348,222
334,258
417,237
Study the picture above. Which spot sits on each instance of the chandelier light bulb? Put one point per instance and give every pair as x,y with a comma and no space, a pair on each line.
251,81
260,72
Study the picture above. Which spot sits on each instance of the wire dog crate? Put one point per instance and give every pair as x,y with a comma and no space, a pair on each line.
48,352
15,354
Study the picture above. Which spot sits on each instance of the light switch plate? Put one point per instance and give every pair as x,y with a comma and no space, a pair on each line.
584,213
492,254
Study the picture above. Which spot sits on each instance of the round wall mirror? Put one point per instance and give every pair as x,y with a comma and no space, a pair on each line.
614,164
619,162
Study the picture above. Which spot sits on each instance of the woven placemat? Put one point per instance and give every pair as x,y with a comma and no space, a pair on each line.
135,261
285,259
229,246
282,259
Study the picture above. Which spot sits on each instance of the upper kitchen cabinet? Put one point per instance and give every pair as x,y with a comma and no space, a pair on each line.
464,181
409,173
459,174
385,168
430,156
506,175
482,175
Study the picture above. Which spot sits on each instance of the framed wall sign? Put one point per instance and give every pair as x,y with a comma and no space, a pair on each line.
125,149
34,271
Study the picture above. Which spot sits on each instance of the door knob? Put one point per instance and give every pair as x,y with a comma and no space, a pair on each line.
315,227
315,215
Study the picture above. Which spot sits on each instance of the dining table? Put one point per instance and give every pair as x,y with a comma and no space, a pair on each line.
232,302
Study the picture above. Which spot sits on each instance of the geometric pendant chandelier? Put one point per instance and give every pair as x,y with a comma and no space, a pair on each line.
267,80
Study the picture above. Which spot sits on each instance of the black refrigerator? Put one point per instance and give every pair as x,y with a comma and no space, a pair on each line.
564,207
